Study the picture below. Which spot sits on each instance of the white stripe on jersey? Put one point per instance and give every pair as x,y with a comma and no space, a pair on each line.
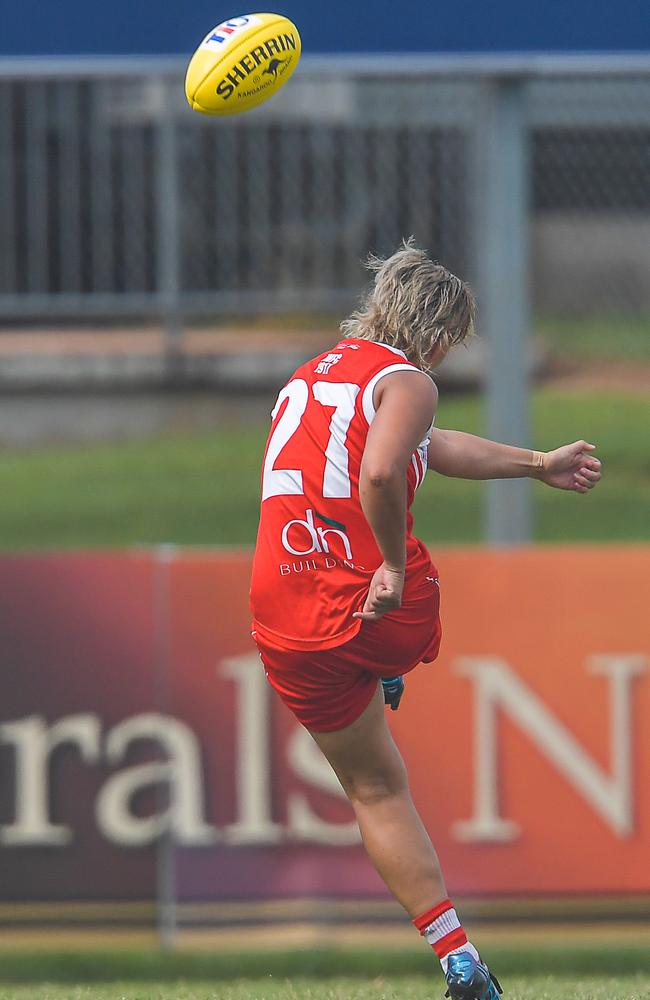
367,400
416,466
423,456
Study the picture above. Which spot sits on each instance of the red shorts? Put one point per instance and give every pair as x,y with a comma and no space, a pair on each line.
328,689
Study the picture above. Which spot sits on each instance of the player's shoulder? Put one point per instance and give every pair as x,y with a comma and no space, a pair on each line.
408,384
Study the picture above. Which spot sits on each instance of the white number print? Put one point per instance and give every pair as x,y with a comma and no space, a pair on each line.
336,479
283,482
341,395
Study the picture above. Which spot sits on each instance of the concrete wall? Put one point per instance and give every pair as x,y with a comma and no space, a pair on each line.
576,255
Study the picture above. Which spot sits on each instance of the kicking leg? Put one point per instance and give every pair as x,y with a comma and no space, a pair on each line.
372,773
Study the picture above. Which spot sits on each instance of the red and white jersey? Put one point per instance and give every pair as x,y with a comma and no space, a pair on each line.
315,552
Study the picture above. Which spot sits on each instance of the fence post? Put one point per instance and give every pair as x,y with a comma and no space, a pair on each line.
502,268
166,910
168,233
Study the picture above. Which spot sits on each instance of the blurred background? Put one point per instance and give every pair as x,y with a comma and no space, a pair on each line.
161,275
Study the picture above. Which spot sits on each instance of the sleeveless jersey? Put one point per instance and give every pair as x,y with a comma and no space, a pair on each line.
315,552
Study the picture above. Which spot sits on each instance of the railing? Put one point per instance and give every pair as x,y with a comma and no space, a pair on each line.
117,199
523,173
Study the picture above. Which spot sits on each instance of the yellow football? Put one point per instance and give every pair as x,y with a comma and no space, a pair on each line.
242,62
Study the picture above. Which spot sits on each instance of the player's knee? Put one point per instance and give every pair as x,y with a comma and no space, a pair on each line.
371,789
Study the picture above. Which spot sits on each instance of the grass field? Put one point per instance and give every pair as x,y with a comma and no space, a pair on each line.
605,974
596,339
412,988
202,488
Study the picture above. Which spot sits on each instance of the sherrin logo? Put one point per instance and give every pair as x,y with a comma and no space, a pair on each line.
273,67
269,52
242,63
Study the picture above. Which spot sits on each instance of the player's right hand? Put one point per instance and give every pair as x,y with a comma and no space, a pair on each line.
384,594
571,467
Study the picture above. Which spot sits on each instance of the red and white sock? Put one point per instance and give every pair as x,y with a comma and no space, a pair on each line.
442,929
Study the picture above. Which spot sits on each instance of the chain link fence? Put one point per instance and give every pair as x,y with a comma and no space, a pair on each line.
116,197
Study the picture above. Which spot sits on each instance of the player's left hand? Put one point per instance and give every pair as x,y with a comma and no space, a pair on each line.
571,467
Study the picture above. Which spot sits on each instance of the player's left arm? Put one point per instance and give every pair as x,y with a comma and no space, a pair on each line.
465,456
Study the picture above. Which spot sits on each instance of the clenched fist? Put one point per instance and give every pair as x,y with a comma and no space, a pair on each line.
384,594
571,467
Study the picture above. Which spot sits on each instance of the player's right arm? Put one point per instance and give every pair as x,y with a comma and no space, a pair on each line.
405,404
465,456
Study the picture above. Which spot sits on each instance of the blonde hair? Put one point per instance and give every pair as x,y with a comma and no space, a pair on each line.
414,304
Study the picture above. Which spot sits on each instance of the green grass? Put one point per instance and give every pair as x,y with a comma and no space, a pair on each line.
416,988
202,488
543,973
600,339
451,510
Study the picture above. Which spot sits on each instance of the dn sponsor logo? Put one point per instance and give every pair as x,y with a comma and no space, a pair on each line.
301,538
269,53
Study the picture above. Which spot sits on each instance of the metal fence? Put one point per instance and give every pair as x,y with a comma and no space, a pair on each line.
116,199
529,175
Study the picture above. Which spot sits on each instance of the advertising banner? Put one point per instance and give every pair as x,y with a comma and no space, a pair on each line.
134,708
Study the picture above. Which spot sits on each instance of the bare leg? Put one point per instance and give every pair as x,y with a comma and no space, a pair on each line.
372,773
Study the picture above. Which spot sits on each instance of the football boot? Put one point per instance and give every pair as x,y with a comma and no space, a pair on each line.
469,979
393,691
